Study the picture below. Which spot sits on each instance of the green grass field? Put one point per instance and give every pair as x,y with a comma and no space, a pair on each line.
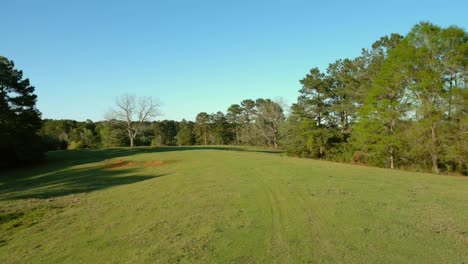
215,205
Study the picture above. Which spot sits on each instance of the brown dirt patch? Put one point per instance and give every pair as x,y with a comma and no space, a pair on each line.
119,164
154,163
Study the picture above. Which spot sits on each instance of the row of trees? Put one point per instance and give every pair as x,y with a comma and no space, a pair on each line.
248,123
402,103
71,134
25,137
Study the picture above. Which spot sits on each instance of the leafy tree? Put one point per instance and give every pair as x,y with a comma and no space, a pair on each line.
299,136
221,129
185,135
248,111
370,62
313,111
343,94
105,135
315,96
165,132
83,135
55,133
145,135
202,128
19,118
377,132
110,135
234,117
247,135
454,46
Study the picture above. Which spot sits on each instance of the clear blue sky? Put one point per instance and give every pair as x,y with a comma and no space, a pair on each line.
193,55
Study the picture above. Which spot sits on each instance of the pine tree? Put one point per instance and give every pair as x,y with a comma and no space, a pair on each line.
19,118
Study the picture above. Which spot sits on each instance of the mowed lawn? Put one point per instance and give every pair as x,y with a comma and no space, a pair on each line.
217,205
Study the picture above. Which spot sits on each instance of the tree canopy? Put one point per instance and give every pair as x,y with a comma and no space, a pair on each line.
19,117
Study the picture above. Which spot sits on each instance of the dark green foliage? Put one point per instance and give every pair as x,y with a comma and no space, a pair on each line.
185,135
71,134
165,133
19,118
250,123
401,104
110,136
223,133
234,117
55,134
311,123
213,129
202,128
256,122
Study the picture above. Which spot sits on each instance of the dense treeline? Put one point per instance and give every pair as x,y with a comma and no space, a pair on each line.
71,134
250,123
403,103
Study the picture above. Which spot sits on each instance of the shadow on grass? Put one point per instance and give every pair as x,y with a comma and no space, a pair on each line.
57,160
63,182
57,177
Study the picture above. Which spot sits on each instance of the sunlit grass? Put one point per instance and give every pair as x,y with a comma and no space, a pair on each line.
224,205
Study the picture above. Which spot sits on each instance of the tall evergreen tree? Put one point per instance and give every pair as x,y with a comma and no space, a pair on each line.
234,117
185,134
221,129
202,128
343,97
427,88
19,118
385,103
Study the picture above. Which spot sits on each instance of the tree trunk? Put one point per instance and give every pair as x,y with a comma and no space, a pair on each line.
392,125
435,167
130,136
391,159
450,98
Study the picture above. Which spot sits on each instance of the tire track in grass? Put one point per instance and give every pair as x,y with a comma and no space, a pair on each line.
300,219
279,246
313,223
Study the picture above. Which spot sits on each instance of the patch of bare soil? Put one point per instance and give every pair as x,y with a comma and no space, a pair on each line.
119,164
154,163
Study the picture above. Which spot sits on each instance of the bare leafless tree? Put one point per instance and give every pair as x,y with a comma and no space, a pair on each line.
269,118
131,112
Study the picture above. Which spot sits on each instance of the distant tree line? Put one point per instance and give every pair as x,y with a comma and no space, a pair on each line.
71,134
250,123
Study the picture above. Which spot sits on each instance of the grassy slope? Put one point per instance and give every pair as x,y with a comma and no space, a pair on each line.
216,206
